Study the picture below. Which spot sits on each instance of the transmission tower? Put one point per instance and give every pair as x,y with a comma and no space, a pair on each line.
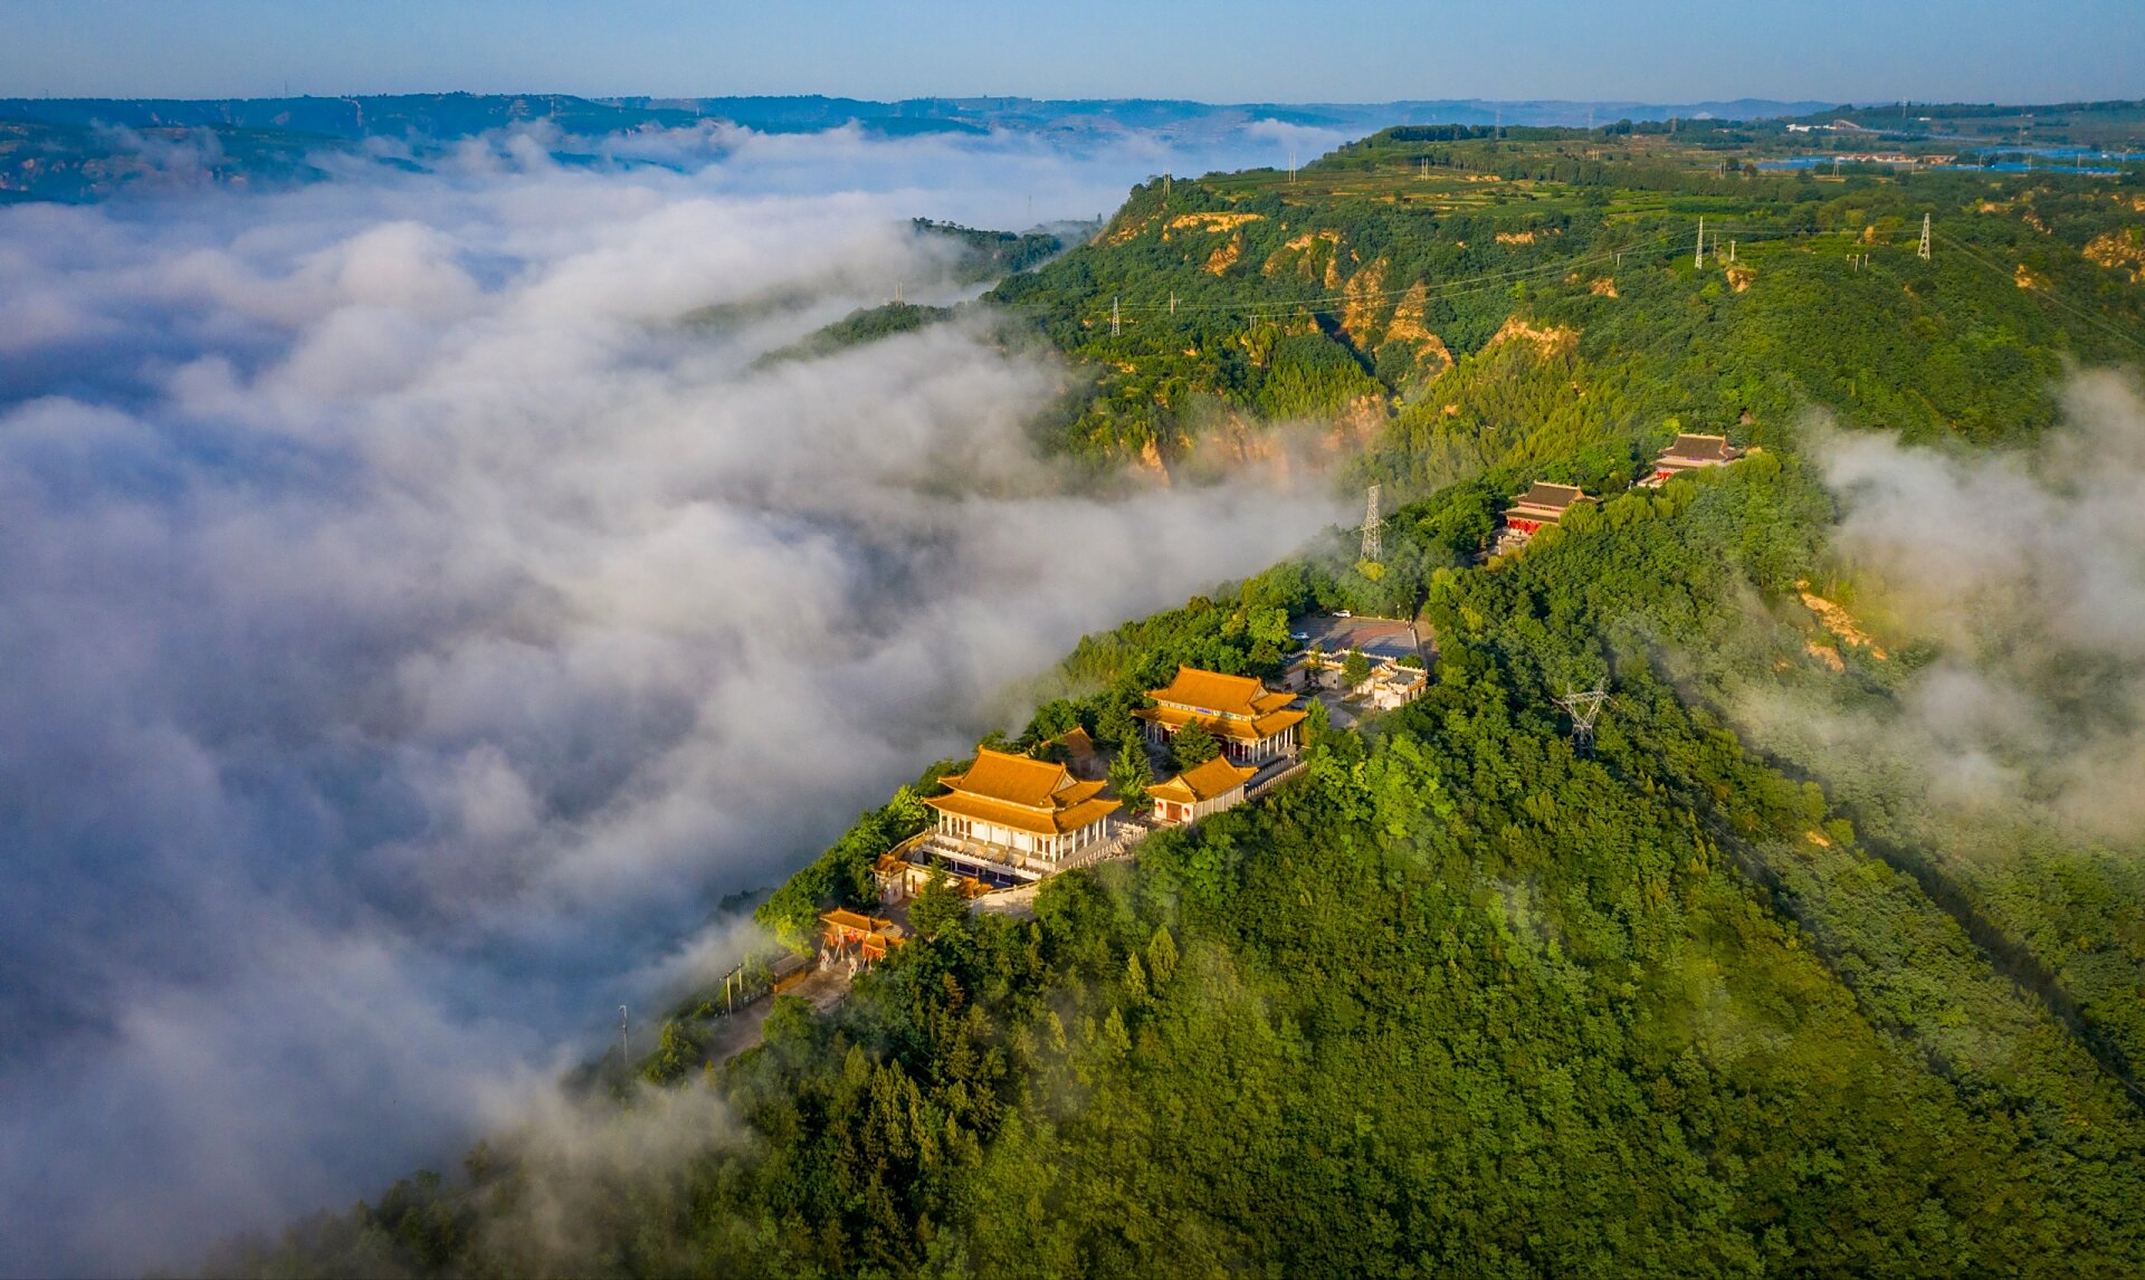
1373,525
1698,259
1113,317
625,1040
1925,238
1584,709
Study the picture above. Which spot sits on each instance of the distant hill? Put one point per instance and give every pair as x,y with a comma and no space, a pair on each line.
448,115
86,148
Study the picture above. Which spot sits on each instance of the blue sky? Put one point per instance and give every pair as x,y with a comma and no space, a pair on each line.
1245,50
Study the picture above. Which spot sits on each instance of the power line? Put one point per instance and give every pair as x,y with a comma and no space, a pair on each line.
2097,322
1276,307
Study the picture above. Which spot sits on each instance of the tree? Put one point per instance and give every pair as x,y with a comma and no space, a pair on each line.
1117,724
1355,669
1130,774
1193,744
938,906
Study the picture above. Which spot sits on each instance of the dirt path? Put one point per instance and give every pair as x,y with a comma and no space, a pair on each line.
743,1030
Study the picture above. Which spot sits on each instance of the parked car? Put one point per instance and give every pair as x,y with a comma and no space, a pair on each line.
1300,637
1342,613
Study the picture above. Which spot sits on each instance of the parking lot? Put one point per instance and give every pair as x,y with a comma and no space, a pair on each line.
1376,637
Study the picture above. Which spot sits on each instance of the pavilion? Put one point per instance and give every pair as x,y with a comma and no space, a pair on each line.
1541,505
1200,790
1253,723
1690,453
1010,819
851,935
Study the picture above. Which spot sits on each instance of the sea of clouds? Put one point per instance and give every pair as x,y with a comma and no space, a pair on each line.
409,631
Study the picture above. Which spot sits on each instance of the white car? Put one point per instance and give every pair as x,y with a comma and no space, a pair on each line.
1342,613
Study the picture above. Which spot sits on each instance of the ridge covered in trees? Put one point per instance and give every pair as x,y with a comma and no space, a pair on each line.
1464,998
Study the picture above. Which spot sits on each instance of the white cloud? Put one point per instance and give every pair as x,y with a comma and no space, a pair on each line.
2027,569
411,632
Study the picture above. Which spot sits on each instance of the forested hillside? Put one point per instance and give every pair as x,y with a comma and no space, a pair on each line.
1713,996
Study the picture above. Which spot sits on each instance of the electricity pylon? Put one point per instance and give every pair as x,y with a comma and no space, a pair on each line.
1373,526
1925,238
1584,709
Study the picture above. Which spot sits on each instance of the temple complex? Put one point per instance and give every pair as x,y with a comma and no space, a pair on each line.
1200,790
1254,724
1690,453
1011,819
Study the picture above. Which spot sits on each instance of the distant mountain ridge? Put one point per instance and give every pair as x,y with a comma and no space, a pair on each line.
460,114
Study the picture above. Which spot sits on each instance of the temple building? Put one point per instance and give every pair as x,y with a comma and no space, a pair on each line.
1253,723
1690,453
1542,504
1200,790
1011,819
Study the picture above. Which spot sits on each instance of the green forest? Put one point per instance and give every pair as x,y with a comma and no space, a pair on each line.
1468,997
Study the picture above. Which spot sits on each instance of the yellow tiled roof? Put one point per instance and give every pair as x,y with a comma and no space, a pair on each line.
1253,730
1001,775
848,919
1203,782
1034,821
1217,694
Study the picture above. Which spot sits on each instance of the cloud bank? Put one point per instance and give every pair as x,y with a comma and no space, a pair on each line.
2025,573
410,630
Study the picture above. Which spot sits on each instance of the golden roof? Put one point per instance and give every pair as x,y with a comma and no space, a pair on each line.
1014,779
1034,821
1218,695
843,917
1216,777
1034,796
1253,730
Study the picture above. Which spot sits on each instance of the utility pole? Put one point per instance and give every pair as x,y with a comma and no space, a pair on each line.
1731,251
625,1041
1113,317
1373,526
1698,258
1292,166
1172,302
1925,238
